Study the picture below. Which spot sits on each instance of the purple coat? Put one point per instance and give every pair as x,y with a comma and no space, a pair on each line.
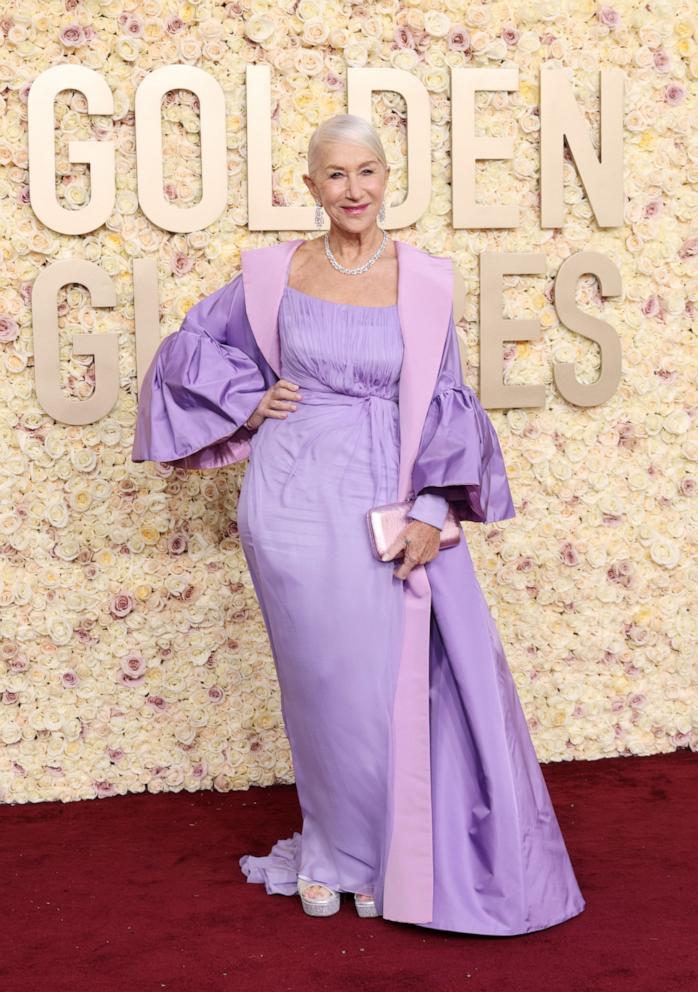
487,825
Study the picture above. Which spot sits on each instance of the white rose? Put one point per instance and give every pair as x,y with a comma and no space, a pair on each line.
10,732
677,422
127,48
404,58
479,42
68,548
665,552
435,80
83,459
436,23
59,630
355,53
56,514
498,50
189,49
310,10
80,499
529,42
309,62
259,28
315,32
210,28
198,716
477,15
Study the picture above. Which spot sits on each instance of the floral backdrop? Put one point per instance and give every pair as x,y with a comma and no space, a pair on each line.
134,654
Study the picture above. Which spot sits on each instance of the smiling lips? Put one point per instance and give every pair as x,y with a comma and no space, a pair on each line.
355,210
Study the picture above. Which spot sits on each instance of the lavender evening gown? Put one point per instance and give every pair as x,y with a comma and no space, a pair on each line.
332,610
335,614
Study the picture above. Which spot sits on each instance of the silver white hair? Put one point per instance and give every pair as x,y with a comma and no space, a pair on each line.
344,127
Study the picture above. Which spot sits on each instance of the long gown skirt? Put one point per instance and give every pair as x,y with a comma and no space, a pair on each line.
335,616
333,612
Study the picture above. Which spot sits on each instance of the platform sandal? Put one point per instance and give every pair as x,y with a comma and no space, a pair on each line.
365,907
324,906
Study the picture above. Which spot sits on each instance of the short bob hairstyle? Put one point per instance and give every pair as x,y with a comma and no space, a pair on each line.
344,127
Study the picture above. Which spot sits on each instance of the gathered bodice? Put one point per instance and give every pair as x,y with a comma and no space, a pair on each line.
340,347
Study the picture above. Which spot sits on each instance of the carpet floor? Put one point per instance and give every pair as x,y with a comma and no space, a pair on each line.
143,893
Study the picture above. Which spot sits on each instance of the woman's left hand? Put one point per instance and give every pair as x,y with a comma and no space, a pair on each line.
423,546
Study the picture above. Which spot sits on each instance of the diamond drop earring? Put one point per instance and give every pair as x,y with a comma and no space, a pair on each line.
381,212
319,215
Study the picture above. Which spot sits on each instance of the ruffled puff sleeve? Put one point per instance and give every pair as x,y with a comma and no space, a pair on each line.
459,457
203,383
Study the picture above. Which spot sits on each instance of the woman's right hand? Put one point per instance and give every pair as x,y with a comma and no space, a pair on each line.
277,402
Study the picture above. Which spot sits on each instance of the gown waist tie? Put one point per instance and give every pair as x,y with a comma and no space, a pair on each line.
382,452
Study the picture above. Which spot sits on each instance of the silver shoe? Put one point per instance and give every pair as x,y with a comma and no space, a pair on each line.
365,907
318,907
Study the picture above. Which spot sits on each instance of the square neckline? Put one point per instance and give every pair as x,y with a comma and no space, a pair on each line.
332,303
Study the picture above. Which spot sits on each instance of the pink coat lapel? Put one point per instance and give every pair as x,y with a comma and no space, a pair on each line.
425,300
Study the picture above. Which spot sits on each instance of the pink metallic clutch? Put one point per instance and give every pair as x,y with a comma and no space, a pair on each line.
387,521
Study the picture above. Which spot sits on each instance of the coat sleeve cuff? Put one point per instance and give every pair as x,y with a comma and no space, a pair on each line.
430,508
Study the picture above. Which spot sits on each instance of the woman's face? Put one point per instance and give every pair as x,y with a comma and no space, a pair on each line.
349,176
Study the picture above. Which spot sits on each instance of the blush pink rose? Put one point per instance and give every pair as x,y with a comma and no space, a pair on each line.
121,605
72,36
181,263
9,329
674,94
458,39
609,17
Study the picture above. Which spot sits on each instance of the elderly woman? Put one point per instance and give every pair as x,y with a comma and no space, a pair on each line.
333,365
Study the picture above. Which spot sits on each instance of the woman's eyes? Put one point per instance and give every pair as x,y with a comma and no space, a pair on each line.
333,174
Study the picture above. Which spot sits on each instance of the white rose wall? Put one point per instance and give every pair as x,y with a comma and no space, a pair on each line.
133,652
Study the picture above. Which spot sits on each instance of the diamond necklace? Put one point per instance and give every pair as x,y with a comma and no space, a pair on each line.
361,268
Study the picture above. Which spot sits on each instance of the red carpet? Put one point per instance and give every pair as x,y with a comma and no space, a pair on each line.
143,892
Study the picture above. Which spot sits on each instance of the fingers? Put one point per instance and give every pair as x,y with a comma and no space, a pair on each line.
279,404
407,564
284,397
418,541
404,569
286,390
423,542
391,552
281,399
287,383
409,560
396,546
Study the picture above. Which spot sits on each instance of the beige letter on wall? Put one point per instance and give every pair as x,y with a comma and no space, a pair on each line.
602,172
214,164
588,393
104,347
42,160
262,215
467,147
495,329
